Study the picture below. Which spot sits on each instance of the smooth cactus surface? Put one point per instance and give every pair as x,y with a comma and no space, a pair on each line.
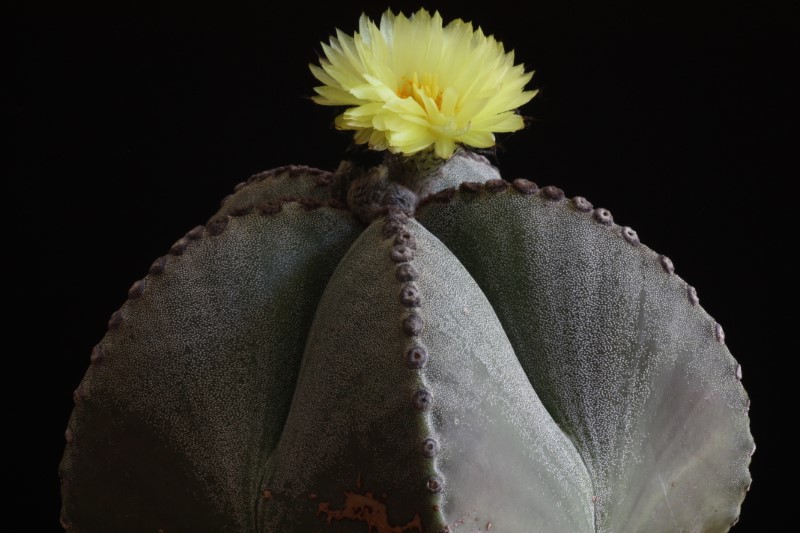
366,352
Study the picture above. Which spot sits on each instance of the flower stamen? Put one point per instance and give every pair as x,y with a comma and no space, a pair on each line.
412,88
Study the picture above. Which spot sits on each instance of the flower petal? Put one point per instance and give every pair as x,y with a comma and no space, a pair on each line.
412,83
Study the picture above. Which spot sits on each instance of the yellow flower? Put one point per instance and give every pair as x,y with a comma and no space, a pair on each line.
412,83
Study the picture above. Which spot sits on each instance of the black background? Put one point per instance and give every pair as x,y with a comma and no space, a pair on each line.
130,123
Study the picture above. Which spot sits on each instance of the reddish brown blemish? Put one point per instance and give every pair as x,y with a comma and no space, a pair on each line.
266,494
312,495
365,508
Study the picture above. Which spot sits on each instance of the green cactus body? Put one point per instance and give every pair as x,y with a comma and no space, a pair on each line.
402,348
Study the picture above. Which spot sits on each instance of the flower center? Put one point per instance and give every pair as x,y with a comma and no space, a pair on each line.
419,85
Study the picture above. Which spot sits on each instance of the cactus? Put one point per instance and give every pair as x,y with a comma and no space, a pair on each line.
411,345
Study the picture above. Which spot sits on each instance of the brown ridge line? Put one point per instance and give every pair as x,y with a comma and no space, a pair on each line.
219,222
294,171
415,357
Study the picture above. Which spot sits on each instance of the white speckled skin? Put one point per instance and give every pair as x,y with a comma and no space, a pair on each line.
259,375
501,458
180,413
620,356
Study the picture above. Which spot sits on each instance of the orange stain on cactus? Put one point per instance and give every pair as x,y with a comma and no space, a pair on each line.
365,508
